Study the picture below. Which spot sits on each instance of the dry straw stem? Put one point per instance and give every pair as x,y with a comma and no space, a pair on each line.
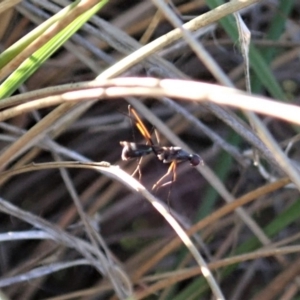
103,264
195,45
36,132
159,86
7,4
42,271
163,41
94,237
41,128
170,278
154,84
214,68
120,175
151,87
127,180
228,208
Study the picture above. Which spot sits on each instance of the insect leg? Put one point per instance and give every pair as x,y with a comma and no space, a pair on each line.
172,167
138,169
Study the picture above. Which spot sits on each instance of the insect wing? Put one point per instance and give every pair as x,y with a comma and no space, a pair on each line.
141,127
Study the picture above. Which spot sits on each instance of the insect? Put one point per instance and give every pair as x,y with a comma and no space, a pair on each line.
168,155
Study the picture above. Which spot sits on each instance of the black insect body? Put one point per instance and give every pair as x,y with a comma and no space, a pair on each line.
133,150
171,155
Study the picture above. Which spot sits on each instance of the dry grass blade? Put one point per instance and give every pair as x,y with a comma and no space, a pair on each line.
64,216
181,89
129,181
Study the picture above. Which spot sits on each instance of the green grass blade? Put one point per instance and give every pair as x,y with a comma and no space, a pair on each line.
260,67
7,55
275,30
30,65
